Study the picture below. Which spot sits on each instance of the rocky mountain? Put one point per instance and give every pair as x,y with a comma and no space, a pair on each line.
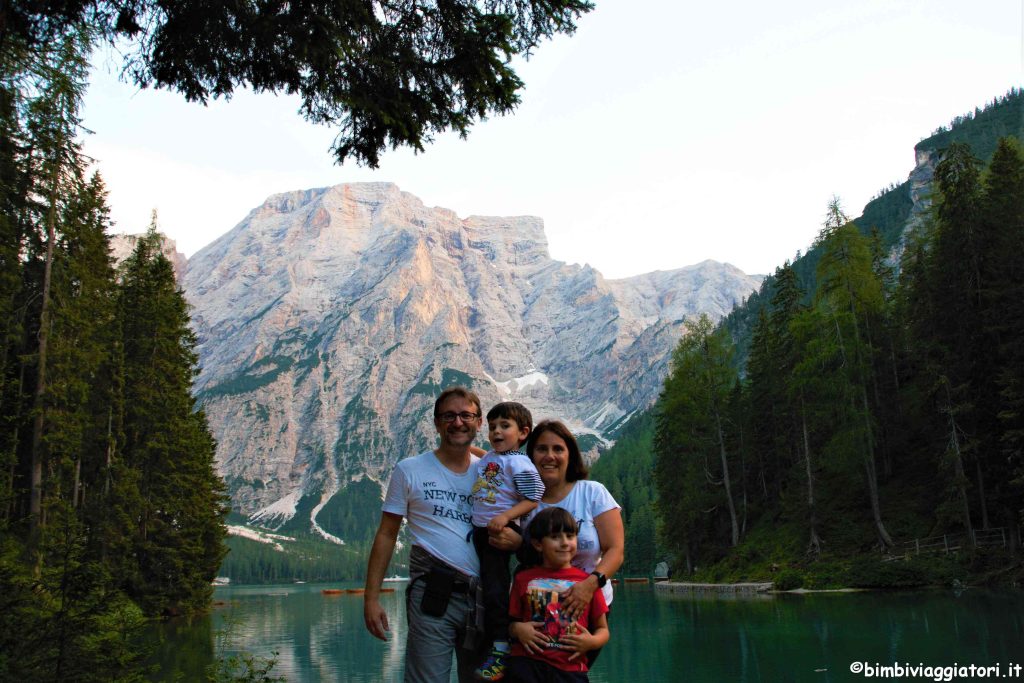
122,245
329,319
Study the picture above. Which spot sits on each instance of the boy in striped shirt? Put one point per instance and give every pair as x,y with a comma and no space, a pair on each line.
507,488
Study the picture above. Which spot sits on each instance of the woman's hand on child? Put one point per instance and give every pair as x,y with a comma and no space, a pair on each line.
580,642
530,635
578,596
506,539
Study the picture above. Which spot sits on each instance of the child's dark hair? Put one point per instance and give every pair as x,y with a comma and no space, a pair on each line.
510,410
551,521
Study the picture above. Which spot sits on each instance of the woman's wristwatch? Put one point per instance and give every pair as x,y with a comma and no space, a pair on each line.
601,578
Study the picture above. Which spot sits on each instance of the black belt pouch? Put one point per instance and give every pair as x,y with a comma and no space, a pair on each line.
437,590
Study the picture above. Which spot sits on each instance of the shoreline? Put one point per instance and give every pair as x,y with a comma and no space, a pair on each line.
748,587
689,587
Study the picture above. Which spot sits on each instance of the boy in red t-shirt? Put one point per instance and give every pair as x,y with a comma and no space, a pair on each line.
549,645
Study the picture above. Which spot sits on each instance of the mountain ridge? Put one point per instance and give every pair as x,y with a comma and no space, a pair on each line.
328,320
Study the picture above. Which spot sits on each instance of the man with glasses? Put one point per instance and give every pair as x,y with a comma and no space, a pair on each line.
432,492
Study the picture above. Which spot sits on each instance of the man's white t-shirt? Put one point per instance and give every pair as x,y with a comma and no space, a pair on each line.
587,500
437,506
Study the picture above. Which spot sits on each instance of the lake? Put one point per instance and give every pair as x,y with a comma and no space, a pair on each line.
655,636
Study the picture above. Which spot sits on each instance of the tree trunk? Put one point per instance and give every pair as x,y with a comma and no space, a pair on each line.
110,451
743,485
869,365
814,545
895,377
981,493
869,458
958,467
883,536
36,468
872,474
13,500
725,479
77,485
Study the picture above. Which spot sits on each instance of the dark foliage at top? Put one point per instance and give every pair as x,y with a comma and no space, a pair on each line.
386,72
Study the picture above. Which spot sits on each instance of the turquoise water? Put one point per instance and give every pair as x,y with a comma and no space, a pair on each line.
655,637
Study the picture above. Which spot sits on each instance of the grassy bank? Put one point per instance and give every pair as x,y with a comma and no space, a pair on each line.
779,554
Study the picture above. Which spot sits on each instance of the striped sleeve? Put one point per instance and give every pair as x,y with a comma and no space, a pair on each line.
528,484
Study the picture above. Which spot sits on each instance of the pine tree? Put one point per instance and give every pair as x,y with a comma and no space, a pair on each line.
941,324
179,533
13,228
53,125
763,392
966,243
796,386
851,296
953,334
692,437
1002,318
81,382
64,619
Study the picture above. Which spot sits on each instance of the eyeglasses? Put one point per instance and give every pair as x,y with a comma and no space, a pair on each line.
465,417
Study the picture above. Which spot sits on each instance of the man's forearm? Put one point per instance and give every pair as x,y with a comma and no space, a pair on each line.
380,555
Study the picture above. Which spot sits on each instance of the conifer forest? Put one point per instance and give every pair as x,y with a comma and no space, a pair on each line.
110,509
866,403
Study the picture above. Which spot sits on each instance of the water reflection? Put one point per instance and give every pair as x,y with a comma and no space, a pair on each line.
655,637
316,636
806,638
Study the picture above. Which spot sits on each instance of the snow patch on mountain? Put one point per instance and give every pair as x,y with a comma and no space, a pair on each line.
513,386
279,511
273,540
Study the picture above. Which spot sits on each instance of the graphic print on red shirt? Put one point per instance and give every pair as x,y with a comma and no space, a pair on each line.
535,597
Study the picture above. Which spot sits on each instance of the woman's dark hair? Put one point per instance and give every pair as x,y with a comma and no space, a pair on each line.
551,521
576,468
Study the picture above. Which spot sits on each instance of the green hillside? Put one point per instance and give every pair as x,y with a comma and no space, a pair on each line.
905,425
627,474
982,128
888,212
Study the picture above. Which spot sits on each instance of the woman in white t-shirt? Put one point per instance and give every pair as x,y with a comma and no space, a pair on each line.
601,540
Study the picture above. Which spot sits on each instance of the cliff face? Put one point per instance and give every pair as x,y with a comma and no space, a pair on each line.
329,319
920,189
122,246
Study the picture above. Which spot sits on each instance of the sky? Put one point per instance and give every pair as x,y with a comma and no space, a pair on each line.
662,133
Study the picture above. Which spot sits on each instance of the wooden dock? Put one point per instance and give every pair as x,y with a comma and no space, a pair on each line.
725,588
